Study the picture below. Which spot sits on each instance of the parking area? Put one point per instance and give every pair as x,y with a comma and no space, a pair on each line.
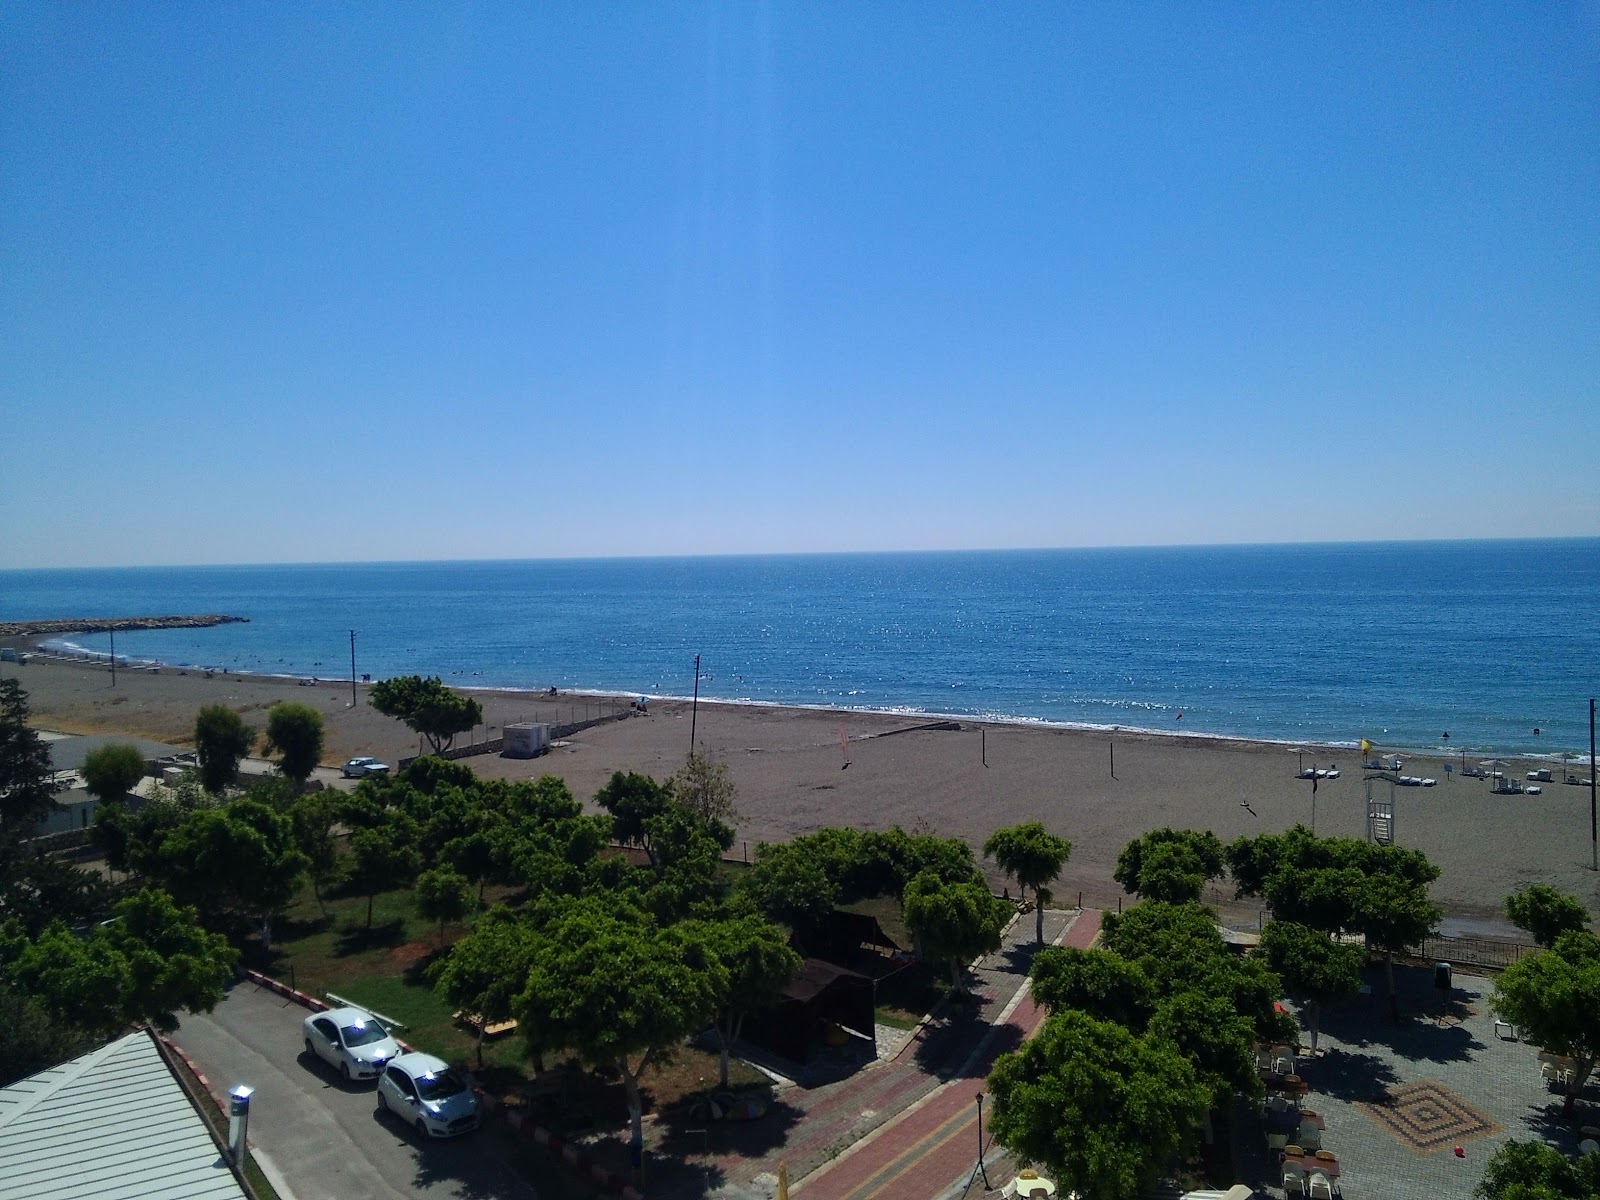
326,1138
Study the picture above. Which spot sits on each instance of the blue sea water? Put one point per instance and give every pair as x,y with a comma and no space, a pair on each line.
1397,642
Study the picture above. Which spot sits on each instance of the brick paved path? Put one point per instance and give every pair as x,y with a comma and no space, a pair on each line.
932,1146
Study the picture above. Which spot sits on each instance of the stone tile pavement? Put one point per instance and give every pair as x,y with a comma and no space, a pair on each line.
1398,1099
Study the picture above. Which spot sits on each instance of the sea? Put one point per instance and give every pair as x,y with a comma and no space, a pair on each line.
1465,646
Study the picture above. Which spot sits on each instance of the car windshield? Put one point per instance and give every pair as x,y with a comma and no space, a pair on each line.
439,1087
363,1033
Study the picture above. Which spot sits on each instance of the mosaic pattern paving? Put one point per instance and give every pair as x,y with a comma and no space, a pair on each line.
1427,1116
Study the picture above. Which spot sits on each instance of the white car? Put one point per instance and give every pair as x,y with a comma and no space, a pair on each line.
360,768
423,1091
350,1040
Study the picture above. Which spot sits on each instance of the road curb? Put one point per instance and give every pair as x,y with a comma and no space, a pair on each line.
514,1120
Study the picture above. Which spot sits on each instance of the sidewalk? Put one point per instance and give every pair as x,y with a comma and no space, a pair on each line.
905,1127
931,1150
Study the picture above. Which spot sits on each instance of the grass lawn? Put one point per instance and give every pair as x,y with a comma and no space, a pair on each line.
381,968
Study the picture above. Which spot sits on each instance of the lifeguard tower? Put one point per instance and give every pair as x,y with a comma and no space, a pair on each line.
1380,807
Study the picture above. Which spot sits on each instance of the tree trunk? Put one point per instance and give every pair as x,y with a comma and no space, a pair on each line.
1394,996
369,911
483,1028
630,1080
1038,914
266,933
1316,1022
958,980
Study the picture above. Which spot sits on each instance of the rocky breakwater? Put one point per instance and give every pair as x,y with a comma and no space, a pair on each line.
55,628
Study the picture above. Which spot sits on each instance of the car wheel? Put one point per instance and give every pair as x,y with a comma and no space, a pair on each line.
310,1049
422,1129
344,1069
383,1101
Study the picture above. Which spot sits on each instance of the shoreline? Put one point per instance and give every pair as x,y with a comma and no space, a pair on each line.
41,645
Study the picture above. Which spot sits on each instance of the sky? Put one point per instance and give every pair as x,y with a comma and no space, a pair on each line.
359,282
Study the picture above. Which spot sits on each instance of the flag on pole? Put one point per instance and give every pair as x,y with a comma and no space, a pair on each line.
1366,746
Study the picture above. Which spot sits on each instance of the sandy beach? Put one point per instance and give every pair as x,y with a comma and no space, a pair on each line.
789,767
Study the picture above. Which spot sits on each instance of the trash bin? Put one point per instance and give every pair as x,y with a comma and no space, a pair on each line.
1441,976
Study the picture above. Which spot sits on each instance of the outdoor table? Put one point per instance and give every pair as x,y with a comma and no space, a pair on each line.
1291,1121
1328,1166
1029,1184
1289,1085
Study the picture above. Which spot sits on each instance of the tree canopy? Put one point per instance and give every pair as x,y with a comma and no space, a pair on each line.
954,922
26,778
1314,968
757,963
221,739
1034,857
427,706
110,771
485,971
1553,998
1341,885
704,786
1104,1109
1534,1171
1170,864
612,985
294,731
1545,913
149,961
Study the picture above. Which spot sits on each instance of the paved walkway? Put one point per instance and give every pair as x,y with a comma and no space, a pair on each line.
907,1127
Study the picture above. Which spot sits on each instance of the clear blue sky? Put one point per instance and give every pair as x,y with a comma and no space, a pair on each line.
374,281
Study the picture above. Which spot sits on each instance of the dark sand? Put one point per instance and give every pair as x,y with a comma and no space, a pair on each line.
788,767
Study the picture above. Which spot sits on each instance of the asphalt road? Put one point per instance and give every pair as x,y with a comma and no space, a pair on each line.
328,1141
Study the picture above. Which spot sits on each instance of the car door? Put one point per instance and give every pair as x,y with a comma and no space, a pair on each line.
327,1041
408,1092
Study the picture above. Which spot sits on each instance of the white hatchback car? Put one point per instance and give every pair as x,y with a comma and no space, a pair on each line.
423,1091
351,1040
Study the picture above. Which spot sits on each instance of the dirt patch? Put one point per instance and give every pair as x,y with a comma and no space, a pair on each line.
409,954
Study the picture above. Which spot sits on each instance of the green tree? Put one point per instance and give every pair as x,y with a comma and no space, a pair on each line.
1534,1171
633,800
757,963
623,993
1103,1109
1315,969
110,771
1034,857
443,895
704,786
33,1038
1170,864
27,787
221,739
312,817
149,961
955,922
1545,912
1104,985
790,885
485,971
1553,998
242,855
294,731
428,707
383,859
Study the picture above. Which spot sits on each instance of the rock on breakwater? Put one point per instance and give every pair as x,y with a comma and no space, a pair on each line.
53,628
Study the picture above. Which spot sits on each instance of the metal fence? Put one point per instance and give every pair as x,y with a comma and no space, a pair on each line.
1492,953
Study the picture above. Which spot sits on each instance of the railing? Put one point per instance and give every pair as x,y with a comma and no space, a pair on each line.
1474,951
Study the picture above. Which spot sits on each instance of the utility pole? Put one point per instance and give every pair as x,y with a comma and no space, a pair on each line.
352,668
113,654
1594,830
694,709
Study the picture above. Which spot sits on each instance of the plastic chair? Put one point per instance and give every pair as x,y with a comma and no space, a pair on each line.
1283,1064
1321,1186
1294,1178
1277,1141
1310,1136
1277,1104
